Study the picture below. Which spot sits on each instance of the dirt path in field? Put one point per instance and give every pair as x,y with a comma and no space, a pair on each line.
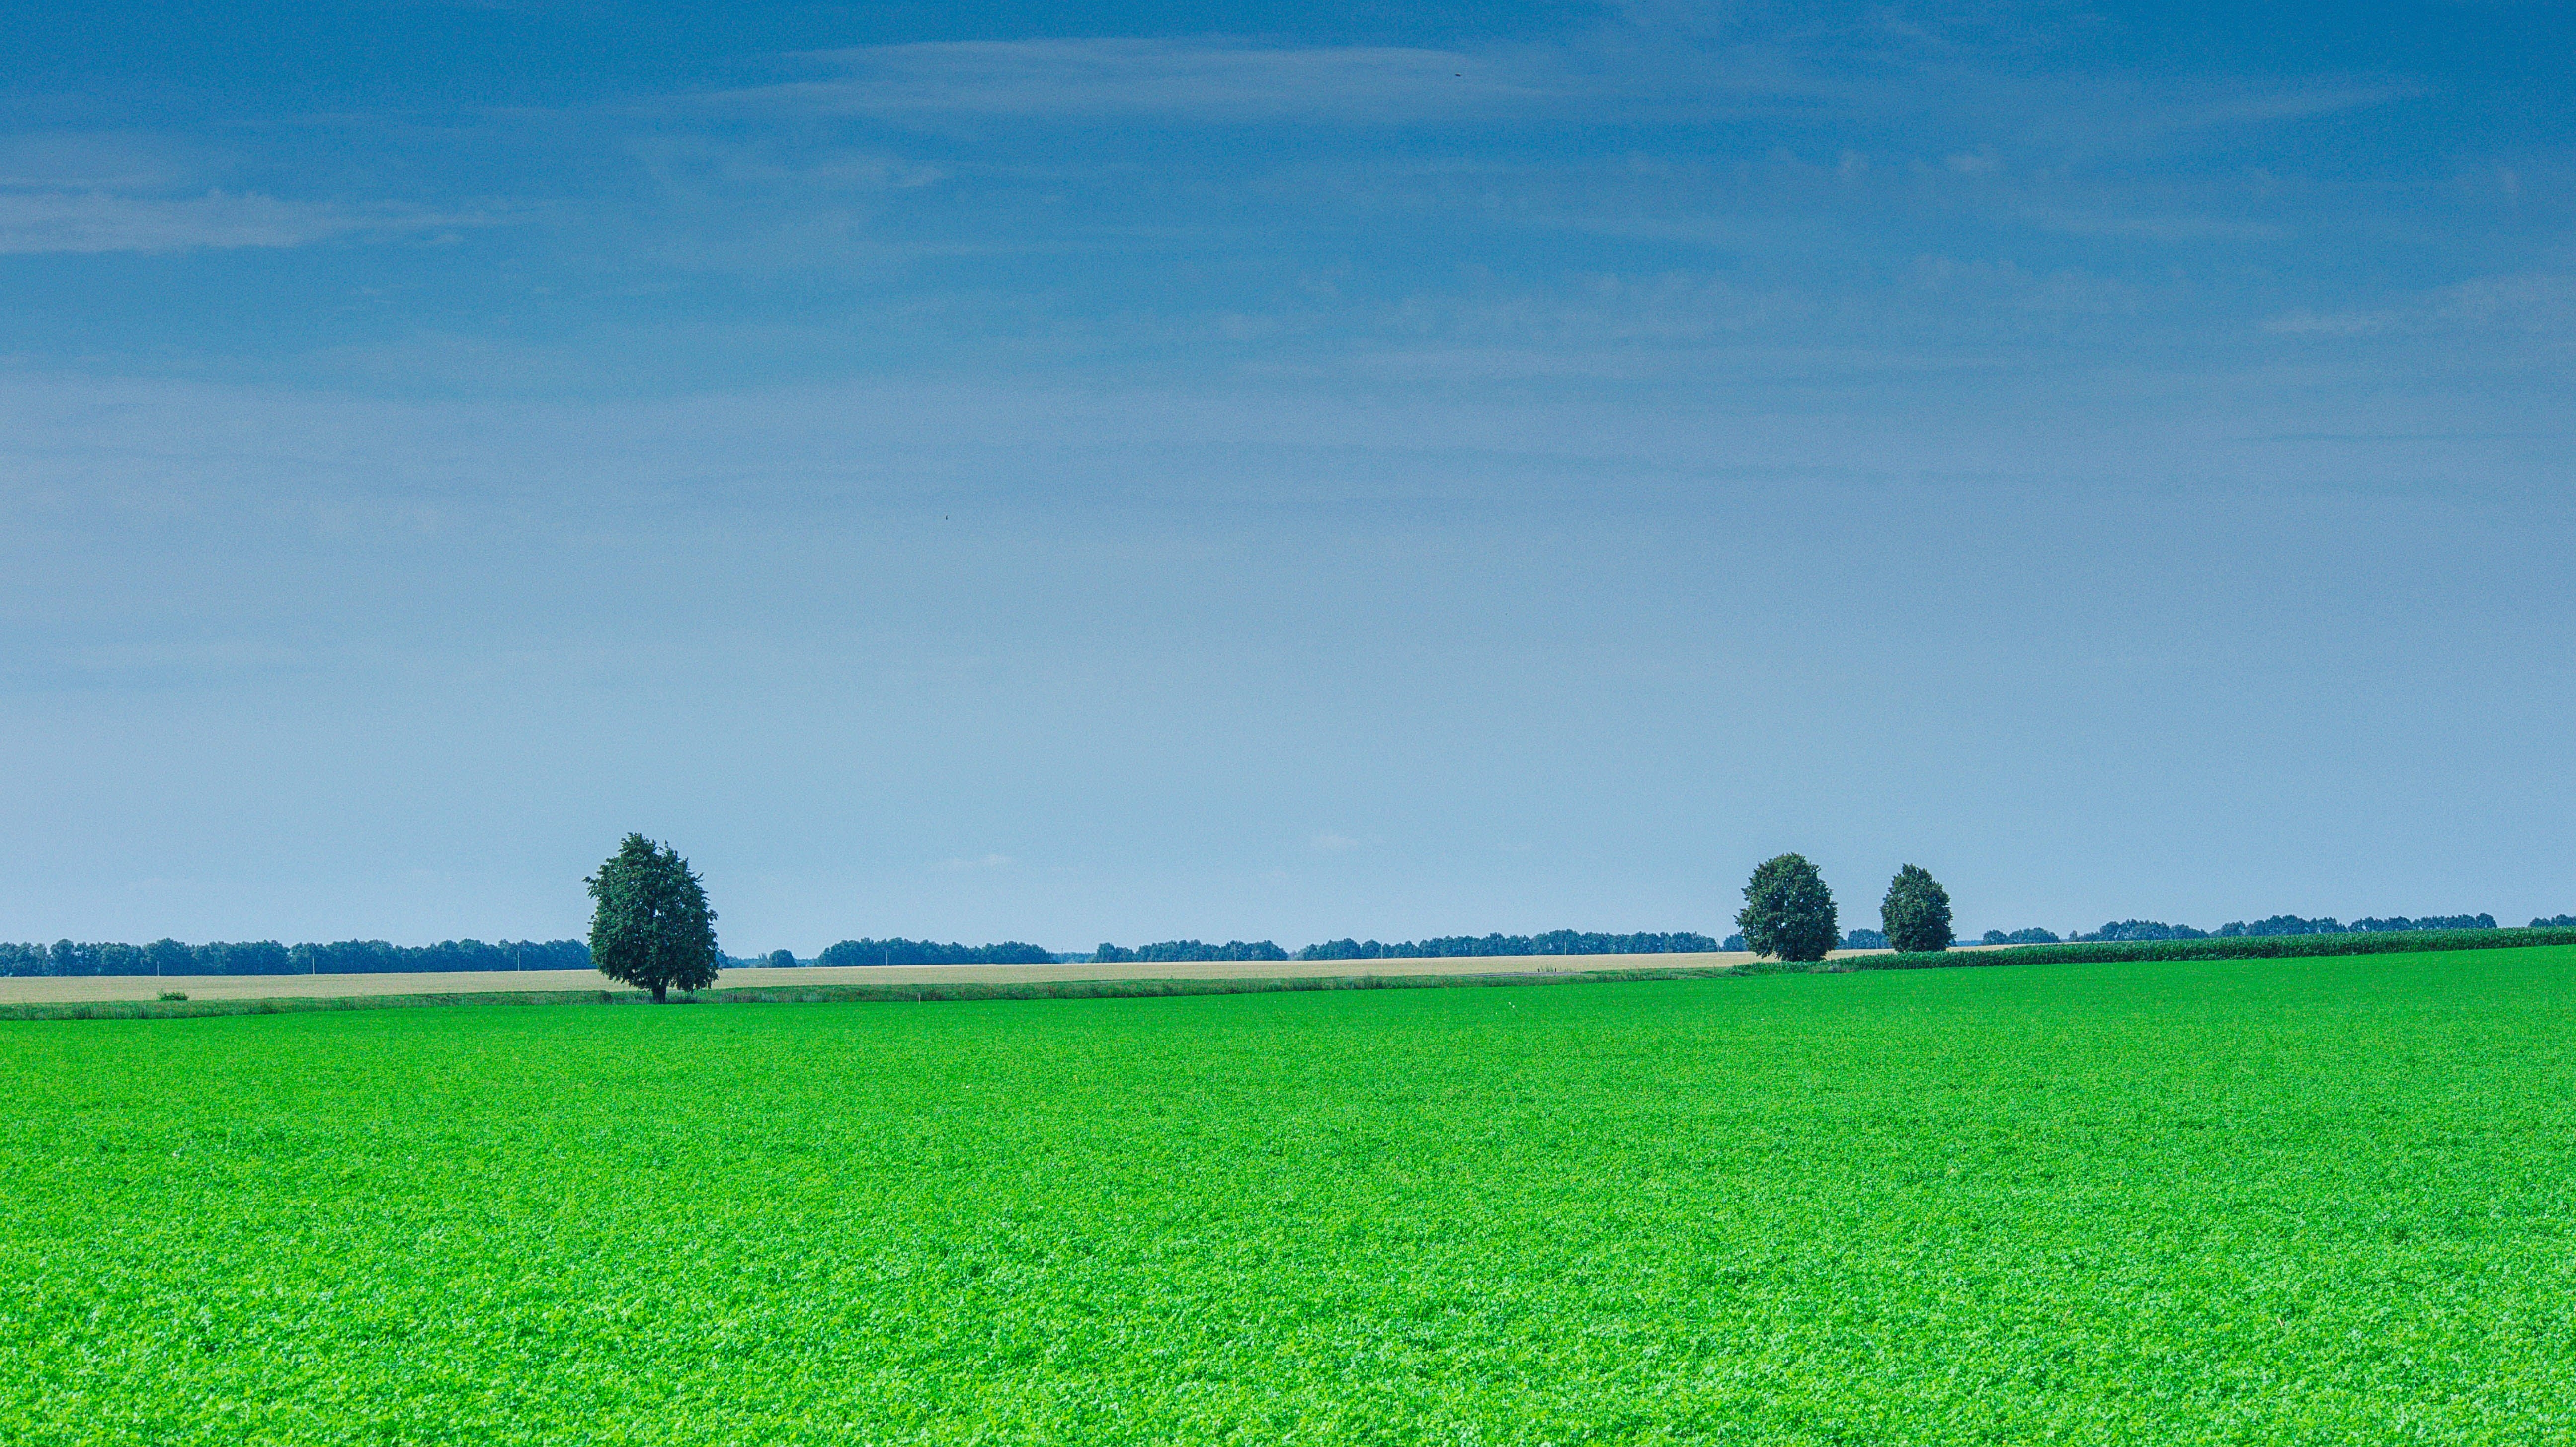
253,987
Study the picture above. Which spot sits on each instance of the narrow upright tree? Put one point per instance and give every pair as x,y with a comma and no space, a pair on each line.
1788,912
1916,913
651,926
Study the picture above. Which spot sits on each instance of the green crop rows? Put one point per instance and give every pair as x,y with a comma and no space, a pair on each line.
2311,1201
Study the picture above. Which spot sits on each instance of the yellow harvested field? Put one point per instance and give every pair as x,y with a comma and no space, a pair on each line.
255,987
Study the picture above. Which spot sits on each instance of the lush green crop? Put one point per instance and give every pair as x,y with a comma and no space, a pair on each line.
2313,1201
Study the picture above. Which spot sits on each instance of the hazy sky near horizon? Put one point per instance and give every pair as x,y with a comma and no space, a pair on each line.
1138,471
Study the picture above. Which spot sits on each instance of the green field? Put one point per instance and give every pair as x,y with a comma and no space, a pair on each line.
2312,1201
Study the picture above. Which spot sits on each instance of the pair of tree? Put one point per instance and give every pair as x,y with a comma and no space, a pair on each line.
1789,913
649,923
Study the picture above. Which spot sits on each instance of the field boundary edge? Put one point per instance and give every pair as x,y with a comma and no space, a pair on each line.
2280,947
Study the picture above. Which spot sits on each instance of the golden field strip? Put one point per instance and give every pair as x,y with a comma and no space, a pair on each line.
53,990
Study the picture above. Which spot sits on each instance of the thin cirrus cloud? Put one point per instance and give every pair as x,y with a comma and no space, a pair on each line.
120,192
2072,221
1216,80
1882,92
2539,304
701,165
89,161
91,222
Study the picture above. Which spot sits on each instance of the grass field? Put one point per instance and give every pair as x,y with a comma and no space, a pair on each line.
2313,1201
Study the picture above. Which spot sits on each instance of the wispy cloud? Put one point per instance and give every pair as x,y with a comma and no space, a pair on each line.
2536,303
111,191
1218,80
1655,64
703,166
90,221
2073,221
2074,115
962,865
88,161
2248,105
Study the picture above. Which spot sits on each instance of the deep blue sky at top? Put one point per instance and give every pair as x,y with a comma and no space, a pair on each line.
1081,472
580,162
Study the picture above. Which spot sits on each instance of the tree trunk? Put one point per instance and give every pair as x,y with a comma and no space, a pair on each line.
659,990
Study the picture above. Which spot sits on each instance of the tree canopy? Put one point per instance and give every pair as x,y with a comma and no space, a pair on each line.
1916,912
651,927
1788,913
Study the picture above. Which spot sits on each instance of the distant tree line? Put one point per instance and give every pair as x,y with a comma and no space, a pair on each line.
927,952
2285,924
1554,942
374,957
268,957
2140,929
2291,924
1177,950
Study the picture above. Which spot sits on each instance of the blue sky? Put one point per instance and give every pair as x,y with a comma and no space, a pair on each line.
1131,472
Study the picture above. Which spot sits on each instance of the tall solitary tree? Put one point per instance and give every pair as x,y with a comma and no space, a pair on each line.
1788,912
1916,913
651,926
